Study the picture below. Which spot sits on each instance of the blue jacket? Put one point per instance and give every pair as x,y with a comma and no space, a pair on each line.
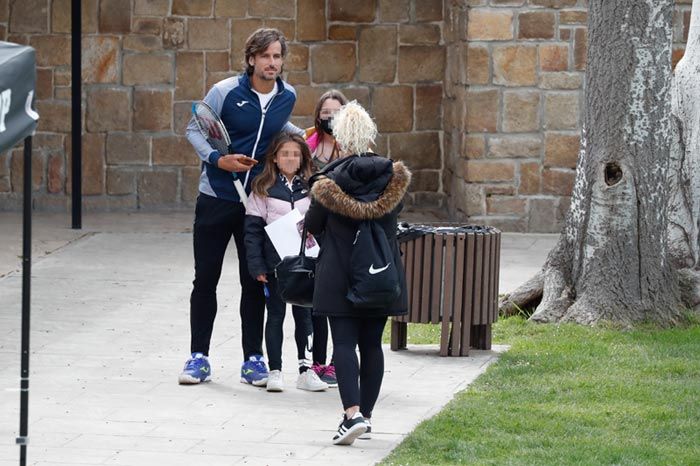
250,127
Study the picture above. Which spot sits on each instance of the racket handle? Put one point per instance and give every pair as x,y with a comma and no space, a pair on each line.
266,290
239,189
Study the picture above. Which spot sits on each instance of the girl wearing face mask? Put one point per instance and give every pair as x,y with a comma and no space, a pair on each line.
319,137
281,187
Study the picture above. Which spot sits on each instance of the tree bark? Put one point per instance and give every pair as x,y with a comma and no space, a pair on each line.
612,261
684,208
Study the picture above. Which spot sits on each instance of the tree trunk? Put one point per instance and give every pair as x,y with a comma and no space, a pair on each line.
684,208
612,261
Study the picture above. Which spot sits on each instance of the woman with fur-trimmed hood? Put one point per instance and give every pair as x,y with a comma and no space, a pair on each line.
359,186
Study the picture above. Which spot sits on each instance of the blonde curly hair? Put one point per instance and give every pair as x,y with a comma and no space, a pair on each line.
353,129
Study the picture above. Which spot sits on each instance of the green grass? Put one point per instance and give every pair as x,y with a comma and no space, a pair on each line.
567,394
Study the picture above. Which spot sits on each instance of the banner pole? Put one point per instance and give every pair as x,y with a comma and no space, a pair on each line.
76,114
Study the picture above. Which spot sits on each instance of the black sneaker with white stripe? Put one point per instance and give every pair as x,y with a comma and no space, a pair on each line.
350,429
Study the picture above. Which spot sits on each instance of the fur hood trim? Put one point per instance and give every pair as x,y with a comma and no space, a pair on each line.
332,197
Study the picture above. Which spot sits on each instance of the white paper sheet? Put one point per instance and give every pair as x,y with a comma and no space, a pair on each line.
285,234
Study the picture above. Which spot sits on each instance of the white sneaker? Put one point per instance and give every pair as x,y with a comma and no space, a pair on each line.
368,433
275,381
309,380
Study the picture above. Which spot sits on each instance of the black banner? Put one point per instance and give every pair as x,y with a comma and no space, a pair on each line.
18,118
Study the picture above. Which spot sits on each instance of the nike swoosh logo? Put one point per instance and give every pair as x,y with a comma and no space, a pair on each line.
242,103
247,371
204,369
374,271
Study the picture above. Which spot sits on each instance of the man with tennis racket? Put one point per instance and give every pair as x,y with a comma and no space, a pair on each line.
230,132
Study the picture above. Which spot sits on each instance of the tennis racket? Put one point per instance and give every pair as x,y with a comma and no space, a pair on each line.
213,130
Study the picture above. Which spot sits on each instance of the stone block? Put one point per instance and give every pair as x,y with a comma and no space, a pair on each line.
479,171
489,24
507,2
55,116
47,142
192,7
43,87
51,50
515,65
477,64
214,77
554,57
359,93
297,58
561,80
208,34
542,216
115,17
428,10
580,48
512,146
60,16
333,63
230,8
62,77
92,163
311,20
419,34
352,11
561,150
307,97
17,170
377,50
218,61
62,93
182,113
152,26
425,180
676,55
564,34
419,63
530,178
174,33
498,190
286,26
473,146
128,149
470,196
553,3
55,173
573,17
29,16
241,29
157,188
100,59
482,111
394,11
190,183
272,8
153,7
505,205
428,111
521,111
558,182
107,109
153,109
147,69
419,150
296,78
342,32
189,76
142,43
561,110
536,25
121,181
173,150
89,13
392,108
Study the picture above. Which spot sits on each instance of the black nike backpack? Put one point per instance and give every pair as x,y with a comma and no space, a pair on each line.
374,277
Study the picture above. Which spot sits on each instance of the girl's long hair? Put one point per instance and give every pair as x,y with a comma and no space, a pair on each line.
334,94
265,180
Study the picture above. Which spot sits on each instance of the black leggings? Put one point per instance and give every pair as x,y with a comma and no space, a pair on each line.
320,340
348,333
276,310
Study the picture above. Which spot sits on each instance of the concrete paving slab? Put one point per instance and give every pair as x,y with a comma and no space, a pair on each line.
110,333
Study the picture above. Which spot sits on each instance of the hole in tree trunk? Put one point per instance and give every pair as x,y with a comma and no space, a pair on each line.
613,173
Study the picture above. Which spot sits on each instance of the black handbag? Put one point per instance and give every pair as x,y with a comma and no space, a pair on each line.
295,277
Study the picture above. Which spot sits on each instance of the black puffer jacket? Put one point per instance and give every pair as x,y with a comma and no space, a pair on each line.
348,191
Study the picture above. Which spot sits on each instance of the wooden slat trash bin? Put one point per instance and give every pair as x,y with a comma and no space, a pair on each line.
451,279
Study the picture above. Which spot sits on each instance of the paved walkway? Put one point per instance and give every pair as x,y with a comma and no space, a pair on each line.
110,334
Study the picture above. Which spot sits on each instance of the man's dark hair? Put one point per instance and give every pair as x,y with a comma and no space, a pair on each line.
259,41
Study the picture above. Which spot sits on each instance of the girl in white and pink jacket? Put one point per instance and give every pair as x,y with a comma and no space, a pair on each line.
281,187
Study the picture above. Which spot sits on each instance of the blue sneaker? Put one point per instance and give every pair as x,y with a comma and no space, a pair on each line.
254,371
197,369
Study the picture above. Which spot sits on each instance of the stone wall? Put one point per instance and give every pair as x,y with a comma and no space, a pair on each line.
480,97
144,61
513,97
